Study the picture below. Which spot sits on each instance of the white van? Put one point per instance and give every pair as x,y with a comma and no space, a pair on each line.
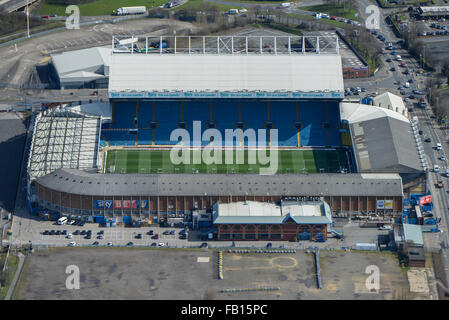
62,220
447,172
436,168
407,85
398,58
438,146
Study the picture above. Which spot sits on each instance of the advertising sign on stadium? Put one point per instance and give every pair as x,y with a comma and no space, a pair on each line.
388,204
385,204
117,204
98,204
143,204
229,95
380,204
108,204
425,199
127,204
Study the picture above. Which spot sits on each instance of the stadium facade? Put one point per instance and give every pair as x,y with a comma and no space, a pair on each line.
115,162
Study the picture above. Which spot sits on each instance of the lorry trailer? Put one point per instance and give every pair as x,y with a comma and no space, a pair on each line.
129,10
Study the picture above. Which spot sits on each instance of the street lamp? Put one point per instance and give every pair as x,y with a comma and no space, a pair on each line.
28,21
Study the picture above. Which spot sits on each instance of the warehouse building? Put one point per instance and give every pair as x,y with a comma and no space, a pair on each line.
285,220
86,68
385,141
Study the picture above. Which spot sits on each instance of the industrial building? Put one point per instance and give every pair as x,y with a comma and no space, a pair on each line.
86,68
285,220
386,141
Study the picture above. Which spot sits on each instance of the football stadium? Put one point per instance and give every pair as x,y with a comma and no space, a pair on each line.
254,126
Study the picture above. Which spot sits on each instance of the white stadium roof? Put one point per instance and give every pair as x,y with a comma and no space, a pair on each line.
209,73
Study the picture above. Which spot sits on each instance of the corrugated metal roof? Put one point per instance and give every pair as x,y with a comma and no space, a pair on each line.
71,63
270,213
385,145
413,233
84,183
233,73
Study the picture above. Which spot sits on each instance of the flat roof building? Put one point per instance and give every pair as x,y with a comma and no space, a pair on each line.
85,68
283,220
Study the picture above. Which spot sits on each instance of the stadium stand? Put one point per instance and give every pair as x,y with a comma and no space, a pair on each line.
283,117
167,115
333,114
196,111
124,114
225,114
311,113
119,137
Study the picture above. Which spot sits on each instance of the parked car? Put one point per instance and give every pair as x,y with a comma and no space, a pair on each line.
83,232
46,17
70,222
139,236
427,140
172,232
130,244
150,233
72,244
269,245
154,244
161,244
64,232
109,244
389,60
77,232
100,237
440,184
96,243
69,236
46,232
443,158
203,245
393,69
385,228
156,236
58,232
88,236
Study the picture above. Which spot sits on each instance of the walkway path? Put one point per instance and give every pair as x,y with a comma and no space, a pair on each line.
16,277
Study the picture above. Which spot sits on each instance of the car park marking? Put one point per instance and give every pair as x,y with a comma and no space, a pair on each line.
202,259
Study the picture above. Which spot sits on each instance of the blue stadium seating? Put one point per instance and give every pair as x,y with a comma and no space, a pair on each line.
311,113
119,138
196,111
145,114
225,114
283,116
124,114
145,136
333,114
167,114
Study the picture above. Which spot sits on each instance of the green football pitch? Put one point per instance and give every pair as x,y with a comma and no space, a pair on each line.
289,161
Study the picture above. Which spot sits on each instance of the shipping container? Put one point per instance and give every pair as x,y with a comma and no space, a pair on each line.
366,246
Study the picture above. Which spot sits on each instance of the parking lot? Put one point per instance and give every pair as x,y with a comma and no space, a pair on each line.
114,273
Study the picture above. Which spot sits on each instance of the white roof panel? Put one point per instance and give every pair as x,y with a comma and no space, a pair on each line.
232,73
